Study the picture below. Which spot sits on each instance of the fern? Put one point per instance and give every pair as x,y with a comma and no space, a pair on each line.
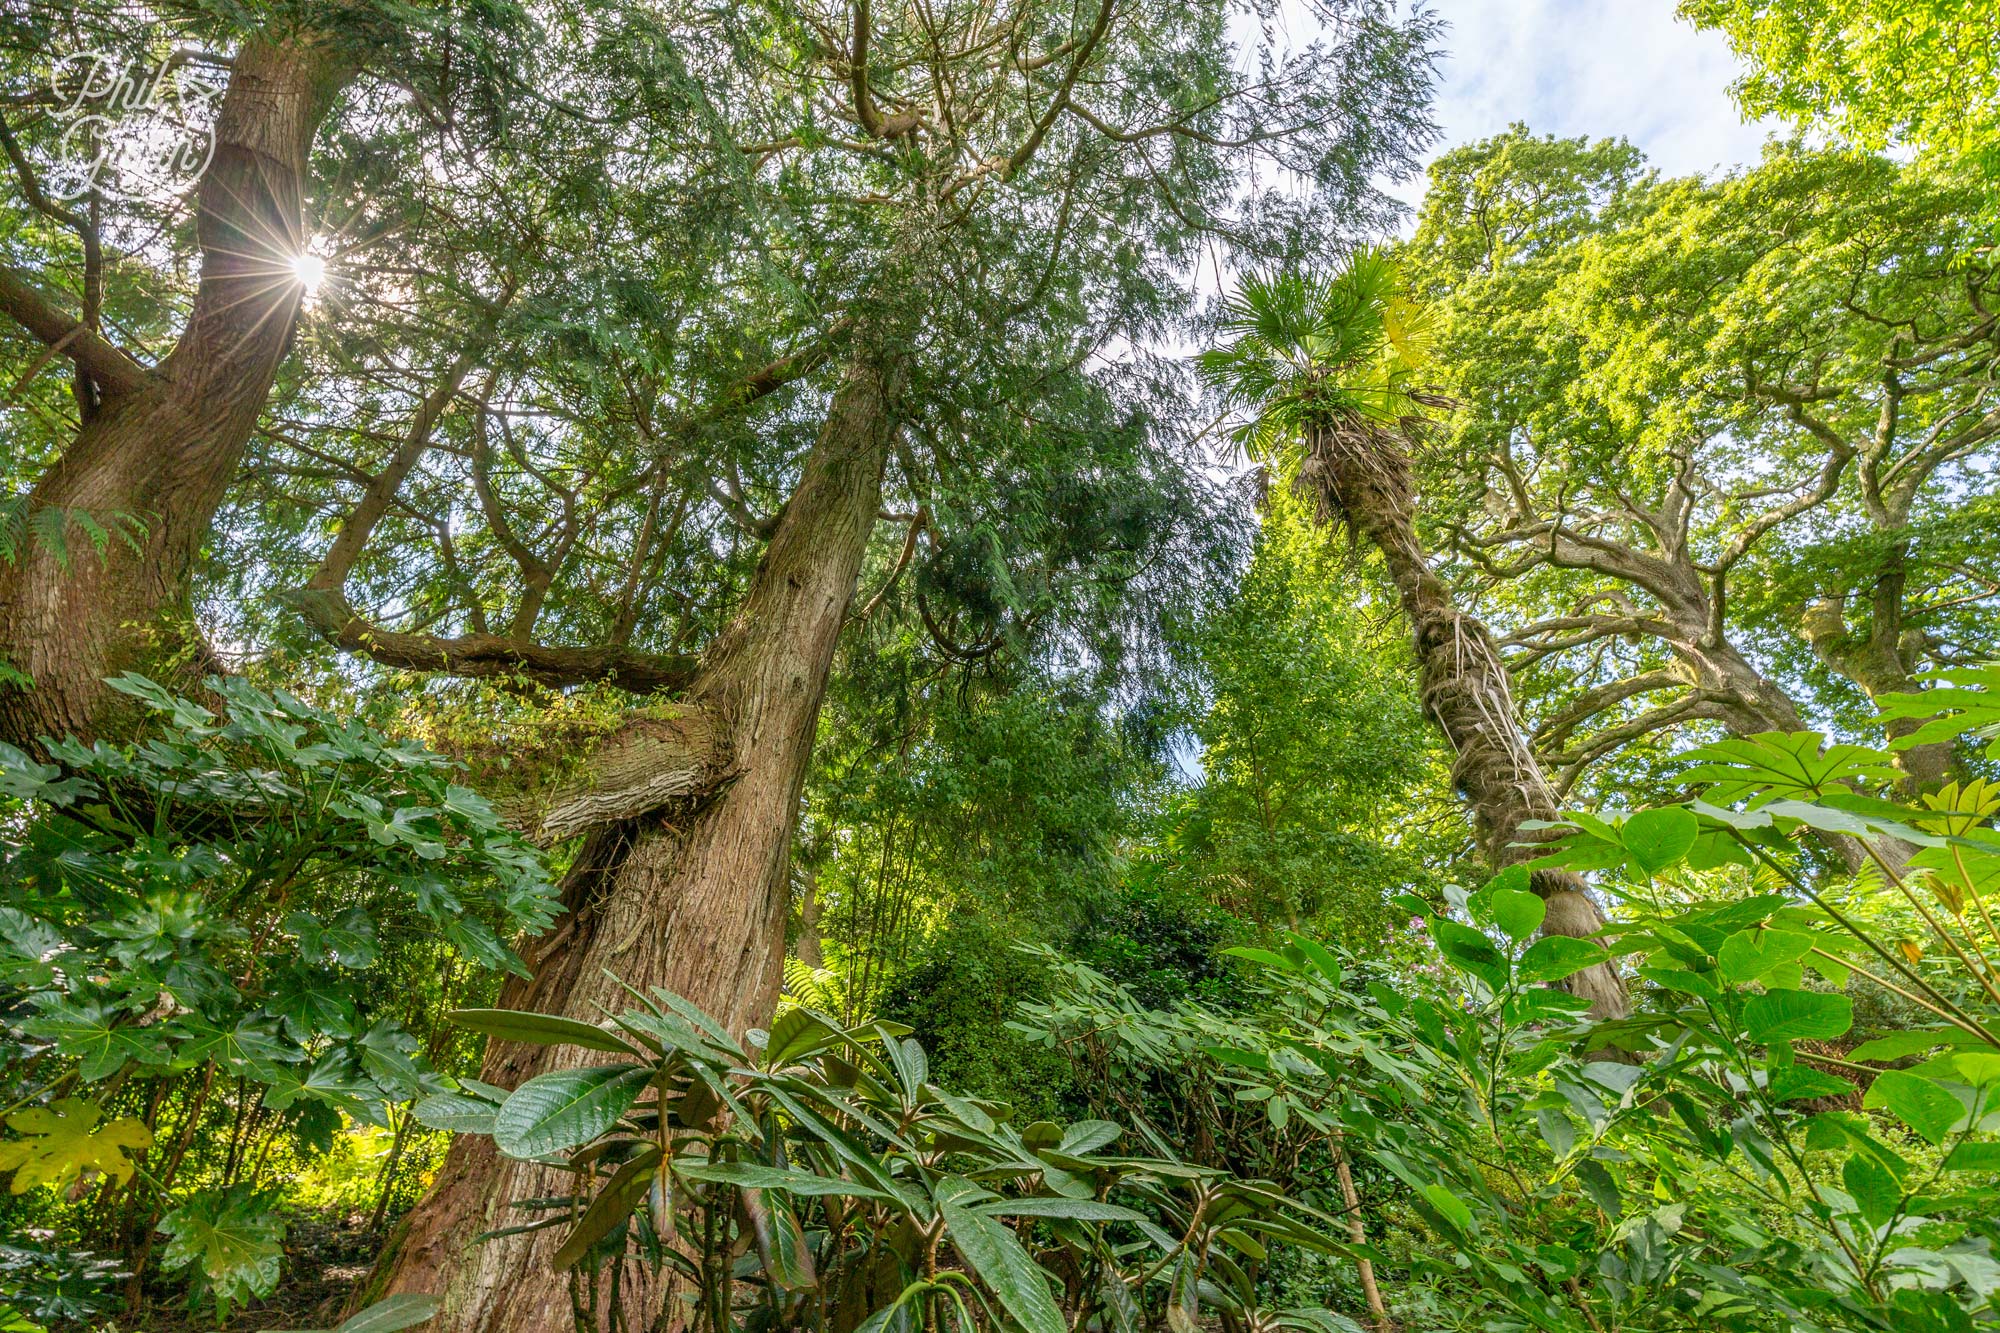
26,525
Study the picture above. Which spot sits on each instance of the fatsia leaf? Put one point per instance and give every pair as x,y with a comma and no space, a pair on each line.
64,1139
552,1112
235,1239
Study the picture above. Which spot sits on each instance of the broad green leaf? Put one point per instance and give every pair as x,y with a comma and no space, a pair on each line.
456,1112
1876,1191
1264,956
1518,914
797,1033
1917,1102
1796,1082
1973,1157
553,1112
1319,956
1006,1269
1898,1045
233,1236
613,1204
1977,1068
391,1314
61,1141
1658,839
1749,954
1557,956
1087,1136
1081,1210
756,1176
95,1036
1470,950
1450,1205
1796,1015
541,1029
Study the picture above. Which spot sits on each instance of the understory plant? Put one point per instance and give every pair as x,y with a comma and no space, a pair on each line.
220,947
815,1177
1737,1153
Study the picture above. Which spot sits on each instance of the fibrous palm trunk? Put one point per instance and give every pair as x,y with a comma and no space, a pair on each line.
690,895
1358,476
158,447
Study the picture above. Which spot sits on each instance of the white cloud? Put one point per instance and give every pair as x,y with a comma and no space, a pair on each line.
1595,68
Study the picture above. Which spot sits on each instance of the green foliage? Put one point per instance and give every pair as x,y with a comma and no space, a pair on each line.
45,1284
848,1179
1710,1159
1670,479
207,923
1923,73
959,992
230,1240
1314,751
1307,350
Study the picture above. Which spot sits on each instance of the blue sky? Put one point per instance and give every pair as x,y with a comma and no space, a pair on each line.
1592,67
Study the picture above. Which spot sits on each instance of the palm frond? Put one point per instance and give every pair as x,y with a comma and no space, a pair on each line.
1312,349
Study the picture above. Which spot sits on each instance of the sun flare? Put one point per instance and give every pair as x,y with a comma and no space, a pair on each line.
310,271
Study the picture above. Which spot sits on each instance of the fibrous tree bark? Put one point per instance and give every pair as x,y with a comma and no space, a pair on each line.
684,889
1358,475
158,446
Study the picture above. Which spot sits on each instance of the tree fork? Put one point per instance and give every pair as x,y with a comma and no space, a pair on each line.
691,895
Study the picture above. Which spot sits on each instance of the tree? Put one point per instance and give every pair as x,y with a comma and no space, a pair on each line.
966,210
155,445
1329,365
1317,763
1882,72
1720,438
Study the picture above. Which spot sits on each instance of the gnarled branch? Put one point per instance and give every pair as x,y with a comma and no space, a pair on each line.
486,656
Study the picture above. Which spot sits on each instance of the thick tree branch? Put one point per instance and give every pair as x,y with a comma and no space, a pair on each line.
487,656
114,370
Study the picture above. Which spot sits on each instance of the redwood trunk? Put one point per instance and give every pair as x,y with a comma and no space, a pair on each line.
162,452
691,898
1359,475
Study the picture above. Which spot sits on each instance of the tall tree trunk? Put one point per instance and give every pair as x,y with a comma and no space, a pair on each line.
1359,476
692,896
159,447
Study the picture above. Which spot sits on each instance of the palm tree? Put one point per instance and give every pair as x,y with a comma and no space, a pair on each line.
1329,367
